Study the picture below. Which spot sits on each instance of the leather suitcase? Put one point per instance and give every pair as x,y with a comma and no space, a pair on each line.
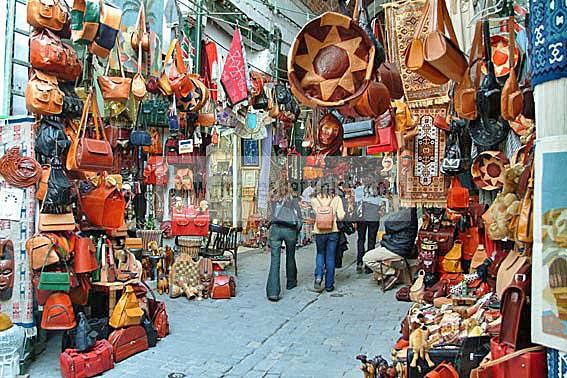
128,341
76,364
437,355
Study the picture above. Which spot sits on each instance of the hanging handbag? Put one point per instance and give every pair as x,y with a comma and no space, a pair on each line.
451,262
85,20
456,160
442,51
58,313
524,228
127,311
140,33
179,78
415,52
140,137
54,281
104,207
156,171
41,251
80,294
107,33
51,140
56,222
512,100
84,259
386,134
156,147
138,82
47,14
92,154
43,95
458,196
43,182
59,190
465,91
50,55
72,104
115,88
374,101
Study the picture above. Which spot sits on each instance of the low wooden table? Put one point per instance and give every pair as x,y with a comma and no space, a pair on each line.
111,288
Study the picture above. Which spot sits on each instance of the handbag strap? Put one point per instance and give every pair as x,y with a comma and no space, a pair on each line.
91,100
180,64
476,53
512,48
510,356
444,21
169,53
52,248
426,14
488,50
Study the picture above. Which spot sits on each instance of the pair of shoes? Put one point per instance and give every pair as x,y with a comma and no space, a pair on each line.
358,268
330,289
289,287
273,299
318,286
392,280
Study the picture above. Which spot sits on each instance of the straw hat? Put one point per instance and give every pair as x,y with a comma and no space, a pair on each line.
488,170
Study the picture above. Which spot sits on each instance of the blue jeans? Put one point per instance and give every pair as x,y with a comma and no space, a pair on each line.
325,259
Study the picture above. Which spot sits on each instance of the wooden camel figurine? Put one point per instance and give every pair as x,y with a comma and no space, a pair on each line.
418,342
162,279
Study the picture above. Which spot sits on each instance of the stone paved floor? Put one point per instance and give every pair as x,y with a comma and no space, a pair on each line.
305,334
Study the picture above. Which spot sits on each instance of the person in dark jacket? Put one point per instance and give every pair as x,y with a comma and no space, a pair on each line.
398,241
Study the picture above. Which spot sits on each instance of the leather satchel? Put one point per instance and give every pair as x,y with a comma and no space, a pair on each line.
188,221
374,101
465,91
41,251
360,134
104,207
458,196
442,51
56,222
127,311
58,313
43,95
115,88
415,52
49,54
47,14
126,342
224,287
76,364
179,80
512,100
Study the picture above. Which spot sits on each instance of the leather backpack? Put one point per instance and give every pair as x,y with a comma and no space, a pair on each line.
512,100
104,207
127,311
47,14
85,337
324,216
58,313
43,95
49,54
37,247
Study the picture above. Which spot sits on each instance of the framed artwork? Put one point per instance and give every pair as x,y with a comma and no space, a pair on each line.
250,153
249,178
549,294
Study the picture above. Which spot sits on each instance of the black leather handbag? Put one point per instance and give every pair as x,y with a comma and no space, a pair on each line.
72,104
150,331
60,193
98,326
51,140
456,160
85,337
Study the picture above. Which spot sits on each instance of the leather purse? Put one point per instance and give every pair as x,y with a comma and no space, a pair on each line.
156,147
126,342
140,33
109,25
443,236
188,221
417,290
456,160
58,313
224,287
509,267
374,101
442,51
43,95
443,370
470,239
415,52
41,251
104,207
179,80
76,364
127,311
451,262
84,259
512,100
156,171
458,195
49,54
115,88
386,130
92,154
56,222
360,134
140,137
55,281
47,14
465,91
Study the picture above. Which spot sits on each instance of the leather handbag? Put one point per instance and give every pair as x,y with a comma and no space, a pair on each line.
109,25
92,154
179,80
76,364
415,52
512,100
104,207
360,134
188,221
129,269
386,130
43,95
530,362
374,101
127,311
443,370
139,89
224,287
140,33
156,147
115,88
442,51
41,251
80,294
509,267
140,137
47,14
458,195
156,171
155,111
516,311
84,259
451,262
456,160
417,290
85,20
126,342
157,314
58,313
72,104
49,54
55,281
56,222
465,91
470,239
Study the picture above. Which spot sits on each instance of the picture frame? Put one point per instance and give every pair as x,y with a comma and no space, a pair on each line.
250,153
249,178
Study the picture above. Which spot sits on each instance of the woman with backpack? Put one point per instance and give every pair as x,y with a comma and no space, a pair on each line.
328,208
285,224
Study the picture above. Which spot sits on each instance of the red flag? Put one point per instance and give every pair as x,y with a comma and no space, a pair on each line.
233,77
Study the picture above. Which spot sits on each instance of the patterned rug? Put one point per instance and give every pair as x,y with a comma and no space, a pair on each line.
421,182
401,21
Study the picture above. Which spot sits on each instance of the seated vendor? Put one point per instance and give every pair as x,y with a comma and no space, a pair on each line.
398,242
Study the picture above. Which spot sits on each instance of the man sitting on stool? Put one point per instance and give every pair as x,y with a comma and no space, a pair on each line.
397,243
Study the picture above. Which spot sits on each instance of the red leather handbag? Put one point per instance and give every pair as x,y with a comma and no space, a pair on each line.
128,341
104,207
386,128
443,370
224,287
458,196
156,171
58,313
75,364
187,221
85,256
158,314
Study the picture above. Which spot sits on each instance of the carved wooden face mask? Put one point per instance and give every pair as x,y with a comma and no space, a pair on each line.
6,270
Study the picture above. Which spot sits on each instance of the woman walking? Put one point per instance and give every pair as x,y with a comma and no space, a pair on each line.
285,224
328,207
368,224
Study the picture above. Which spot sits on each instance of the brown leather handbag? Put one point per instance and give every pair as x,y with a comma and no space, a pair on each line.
56,222
141,34
58,313
49,54
47,14
37,247
139,89
458,195
104,207
224,287
465,91
115,88
43,95
128,341
179,79
92,154
374,101
85,255
512,100
415,54
442,51
388,73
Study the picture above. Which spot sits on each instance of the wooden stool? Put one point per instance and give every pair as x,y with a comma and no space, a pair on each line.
398,263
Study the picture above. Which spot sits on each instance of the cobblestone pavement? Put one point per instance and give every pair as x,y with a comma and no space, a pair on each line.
305,334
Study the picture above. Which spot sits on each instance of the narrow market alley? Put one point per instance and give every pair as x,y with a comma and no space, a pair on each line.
305,334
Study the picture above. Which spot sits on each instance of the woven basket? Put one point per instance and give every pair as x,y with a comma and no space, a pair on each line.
189,245
148,236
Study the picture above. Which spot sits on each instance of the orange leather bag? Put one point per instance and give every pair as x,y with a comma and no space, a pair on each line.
85,256
465,91
374,101
43,95
512,99
127,311
115,88
49,54
58,313
37,247
47,14
43,182
139,89
104,207
443,370
141,34
92,154
415,55
179,79
442,51
458,196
